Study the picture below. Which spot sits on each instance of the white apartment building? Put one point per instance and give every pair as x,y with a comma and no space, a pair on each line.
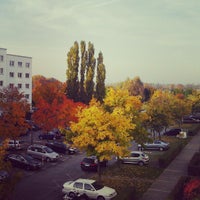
16,71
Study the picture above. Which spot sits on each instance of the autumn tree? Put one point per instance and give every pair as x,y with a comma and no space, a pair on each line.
133,109
14,107
194,98
100,79
102,133
159,111
180,106
72,90
56,114
47,89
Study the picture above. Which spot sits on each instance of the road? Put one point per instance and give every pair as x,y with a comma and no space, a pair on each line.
47,182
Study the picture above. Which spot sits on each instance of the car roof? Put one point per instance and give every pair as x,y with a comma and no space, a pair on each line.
137,152
83,180
37,145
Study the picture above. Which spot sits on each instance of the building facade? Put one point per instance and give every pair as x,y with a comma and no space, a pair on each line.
16,71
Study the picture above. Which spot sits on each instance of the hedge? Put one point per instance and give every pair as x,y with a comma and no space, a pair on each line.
194,165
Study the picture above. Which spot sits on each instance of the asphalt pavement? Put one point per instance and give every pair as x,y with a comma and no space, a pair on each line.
165,183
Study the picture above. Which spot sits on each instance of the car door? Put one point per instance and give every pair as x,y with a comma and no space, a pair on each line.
21,161
78,188
90,191
134,158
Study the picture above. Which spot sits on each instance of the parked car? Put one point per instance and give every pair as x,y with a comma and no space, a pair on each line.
16,145
23,161
4,176
42,152
156,145
91,188
192,119
136,157
49,136
91,163
60,147
172,132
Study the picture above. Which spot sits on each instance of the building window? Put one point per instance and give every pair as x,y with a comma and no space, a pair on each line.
11,74
1,83
19,64
1,58
19,85
27,65
27,75
11,85
27,96
12,63
19,75
1,70
27,86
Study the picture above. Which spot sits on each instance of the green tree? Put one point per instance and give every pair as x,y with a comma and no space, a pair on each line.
100,79
90,71
72,89
82,71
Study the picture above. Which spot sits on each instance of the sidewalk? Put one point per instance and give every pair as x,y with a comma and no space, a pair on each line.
166,182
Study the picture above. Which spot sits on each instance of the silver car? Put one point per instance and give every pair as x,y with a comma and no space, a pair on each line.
136,157
42,152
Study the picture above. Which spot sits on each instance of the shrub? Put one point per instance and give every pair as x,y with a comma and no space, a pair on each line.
187,188
194,165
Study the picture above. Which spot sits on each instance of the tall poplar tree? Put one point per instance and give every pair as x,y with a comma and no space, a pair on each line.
82,71
90,71
72,90
100,79
81,87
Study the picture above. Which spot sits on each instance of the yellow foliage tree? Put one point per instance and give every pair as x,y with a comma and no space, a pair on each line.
101,133
132,107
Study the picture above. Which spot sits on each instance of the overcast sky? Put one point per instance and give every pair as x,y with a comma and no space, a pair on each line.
157,40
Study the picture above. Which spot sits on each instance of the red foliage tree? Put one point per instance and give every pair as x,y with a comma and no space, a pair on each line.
14,107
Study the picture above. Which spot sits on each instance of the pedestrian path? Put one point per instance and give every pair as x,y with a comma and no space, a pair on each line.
166,182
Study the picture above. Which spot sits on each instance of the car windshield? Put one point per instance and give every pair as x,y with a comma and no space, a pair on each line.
97,185
28,158
48,150
88,160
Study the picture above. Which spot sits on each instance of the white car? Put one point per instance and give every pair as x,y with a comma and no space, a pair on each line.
90,187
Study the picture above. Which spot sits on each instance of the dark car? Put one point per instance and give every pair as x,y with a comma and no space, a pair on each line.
23,161
91,163
156,145
172,132
49,136
60,147
4,176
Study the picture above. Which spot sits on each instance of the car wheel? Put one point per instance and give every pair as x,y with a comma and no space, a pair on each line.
72,195
100,198
48,159
161,149
140,163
